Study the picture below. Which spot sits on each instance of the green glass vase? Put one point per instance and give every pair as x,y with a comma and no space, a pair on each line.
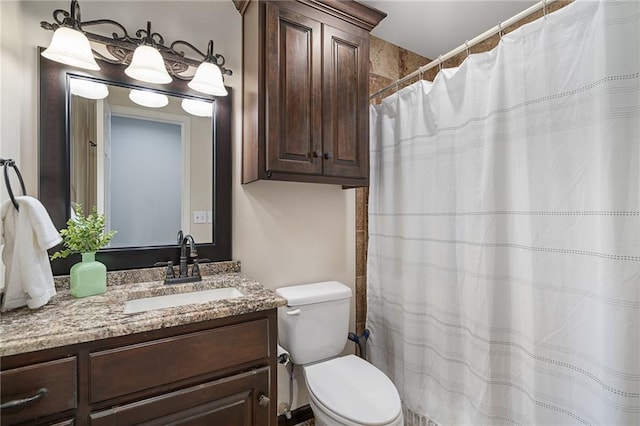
88,277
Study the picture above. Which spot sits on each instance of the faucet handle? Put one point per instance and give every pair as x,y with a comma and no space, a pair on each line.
170,272
195,269
169,265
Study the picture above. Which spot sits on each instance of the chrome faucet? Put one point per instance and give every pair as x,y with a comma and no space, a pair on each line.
193,253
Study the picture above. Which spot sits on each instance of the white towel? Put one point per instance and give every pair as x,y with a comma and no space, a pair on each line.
27,234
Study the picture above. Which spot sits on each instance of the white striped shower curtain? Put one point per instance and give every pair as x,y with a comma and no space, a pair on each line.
504,229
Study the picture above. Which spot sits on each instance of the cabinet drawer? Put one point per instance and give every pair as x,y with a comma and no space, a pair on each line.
161,362
57,377
230,401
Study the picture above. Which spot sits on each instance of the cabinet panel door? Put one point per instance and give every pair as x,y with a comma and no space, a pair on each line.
293,96
346,106
230,401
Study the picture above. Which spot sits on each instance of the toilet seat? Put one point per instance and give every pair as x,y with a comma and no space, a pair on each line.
351,388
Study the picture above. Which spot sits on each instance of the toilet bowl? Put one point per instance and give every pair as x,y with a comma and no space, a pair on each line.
346,390
350,391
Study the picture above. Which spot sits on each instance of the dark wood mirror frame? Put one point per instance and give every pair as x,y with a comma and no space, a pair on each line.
54,164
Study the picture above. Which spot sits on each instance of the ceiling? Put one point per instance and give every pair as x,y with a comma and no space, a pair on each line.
432,28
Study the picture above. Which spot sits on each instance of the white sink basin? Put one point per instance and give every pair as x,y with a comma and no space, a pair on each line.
170,300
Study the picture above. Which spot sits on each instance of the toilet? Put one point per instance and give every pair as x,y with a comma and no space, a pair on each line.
343,390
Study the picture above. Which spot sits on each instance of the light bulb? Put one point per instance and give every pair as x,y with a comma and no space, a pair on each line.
88,89
198,108
148,99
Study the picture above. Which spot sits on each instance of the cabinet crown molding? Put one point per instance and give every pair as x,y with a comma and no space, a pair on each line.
349,10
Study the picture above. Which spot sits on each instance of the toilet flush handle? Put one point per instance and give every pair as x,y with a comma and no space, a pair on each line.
294,312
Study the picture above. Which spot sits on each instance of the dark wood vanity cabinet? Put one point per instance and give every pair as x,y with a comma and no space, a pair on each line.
306,90
212,372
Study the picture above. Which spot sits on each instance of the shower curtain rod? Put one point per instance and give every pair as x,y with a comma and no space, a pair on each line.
465,47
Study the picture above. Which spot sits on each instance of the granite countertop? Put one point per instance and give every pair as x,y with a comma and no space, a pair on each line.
67,320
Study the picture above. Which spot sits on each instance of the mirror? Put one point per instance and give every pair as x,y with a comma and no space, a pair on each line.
128,174
152,160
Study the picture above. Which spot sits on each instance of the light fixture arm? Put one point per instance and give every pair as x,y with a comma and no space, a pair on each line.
206,57
69,19
147,37
121,45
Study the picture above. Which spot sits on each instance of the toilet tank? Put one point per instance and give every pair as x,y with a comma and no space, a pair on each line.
315,323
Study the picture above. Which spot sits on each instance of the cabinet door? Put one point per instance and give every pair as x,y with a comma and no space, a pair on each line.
234,401
346,104
293,91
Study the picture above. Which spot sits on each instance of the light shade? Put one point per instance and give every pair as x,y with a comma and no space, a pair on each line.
148,99
88,89
198,108
71,47
147,65
208,79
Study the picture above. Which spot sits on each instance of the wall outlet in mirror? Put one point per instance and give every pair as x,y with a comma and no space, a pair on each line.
199,216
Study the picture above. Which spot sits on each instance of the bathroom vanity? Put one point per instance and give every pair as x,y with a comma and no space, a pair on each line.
84,361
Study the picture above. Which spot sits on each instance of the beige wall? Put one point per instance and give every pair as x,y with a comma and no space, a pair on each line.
284,233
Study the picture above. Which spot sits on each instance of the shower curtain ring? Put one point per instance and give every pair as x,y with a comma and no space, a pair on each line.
544,8
500,33
466,44
420,72
440,62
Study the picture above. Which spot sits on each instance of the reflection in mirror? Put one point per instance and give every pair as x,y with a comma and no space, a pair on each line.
147,168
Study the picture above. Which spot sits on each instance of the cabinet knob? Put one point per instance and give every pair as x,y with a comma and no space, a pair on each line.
263,400
328,155
19,403
317,153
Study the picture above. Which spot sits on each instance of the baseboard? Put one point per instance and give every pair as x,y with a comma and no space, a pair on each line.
299,415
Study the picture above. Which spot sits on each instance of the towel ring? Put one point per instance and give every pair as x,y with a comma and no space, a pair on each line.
6,163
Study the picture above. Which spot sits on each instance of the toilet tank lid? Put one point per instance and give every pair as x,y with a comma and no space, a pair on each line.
306,294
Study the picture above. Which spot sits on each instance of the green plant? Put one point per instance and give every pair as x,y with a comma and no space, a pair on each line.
83,234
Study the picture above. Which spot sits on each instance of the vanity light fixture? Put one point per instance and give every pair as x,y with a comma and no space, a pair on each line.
148,99
147,58
88,89
198,108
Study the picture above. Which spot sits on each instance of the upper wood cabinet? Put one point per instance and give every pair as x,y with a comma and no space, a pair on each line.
306,90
